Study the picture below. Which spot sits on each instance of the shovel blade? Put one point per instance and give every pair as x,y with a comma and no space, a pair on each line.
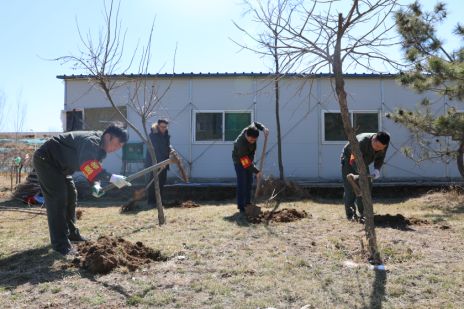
252,211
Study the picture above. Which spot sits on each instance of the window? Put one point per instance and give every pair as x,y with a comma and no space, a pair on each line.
220,126
362,122
234,124
208,127
74,120
100,118
333,127
365,122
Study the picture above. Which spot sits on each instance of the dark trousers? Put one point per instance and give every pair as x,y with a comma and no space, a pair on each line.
151,196
60,196
71,206
349,197
244,183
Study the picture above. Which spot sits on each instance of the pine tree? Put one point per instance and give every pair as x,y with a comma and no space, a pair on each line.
432,68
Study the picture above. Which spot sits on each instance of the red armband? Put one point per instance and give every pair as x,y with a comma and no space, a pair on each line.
91,169
245,161
352,160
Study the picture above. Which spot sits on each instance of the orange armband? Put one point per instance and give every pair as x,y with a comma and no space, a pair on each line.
352,160
91,169
245,161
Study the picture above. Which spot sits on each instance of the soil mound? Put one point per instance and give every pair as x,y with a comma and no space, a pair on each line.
282,215
189,204
397,221
108,253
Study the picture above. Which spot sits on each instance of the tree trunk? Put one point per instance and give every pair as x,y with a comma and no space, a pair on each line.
460,159
277,108
279,138
363,179
159,203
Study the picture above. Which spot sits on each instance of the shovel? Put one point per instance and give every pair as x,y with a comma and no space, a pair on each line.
251,210
261,164
173,159
353,180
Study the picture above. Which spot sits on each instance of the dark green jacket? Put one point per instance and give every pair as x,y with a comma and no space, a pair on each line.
369,155
243,148
70,152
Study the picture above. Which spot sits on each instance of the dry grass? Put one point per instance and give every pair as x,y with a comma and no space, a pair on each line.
217,260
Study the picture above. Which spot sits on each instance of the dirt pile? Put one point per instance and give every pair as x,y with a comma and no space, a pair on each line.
189,204
282,215
281,189
108,253
397,221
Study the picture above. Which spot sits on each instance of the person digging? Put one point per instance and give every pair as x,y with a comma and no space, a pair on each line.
373,147
243,155
55,162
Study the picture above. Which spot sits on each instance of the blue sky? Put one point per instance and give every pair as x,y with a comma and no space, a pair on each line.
34,31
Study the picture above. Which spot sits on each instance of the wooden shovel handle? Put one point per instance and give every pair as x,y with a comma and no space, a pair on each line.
261,164
178,162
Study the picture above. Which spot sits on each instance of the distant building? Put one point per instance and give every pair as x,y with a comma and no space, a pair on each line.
207,111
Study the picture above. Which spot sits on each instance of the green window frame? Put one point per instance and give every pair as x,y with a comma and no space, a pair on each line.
362,121
220,126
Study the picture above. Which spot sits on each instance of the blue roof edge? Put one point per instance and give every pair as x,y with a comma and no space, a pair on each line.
235,74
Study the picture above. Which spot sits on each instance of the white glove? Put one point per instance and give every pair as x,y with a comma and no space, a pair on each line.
97,190
119,181
376,174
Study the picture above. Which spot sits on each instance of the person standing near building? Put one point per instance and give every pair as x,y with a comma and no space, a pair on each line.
161,141
373,147
55,162
243,155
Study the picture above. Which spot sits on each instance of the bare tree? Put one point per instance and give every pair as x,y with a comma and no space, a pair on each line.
319,36
3,109
270,15
102,59
20,111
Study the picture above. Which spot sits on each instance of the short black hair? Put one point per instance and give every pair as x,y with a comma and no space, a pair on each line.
160,121
383,137
252,131
117,129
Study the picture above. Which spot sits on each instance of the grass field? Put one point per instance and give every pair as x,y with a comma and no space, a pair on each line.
217,260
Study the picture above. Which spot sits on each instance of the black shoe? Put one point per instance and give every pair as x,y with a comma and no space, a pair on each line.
76,236
352,217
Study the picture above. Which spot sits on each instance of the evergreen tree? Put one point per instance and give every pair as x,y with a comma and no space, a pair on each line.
432,68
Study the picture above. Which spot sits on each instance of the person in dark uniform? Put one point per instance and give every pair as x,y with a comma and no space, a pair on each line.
55,162
161,141
243,155
373,147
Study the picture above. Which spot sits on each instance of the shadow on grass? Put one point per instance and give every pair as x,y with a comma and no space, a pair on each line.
238,218
378,290
128,294
397,222
32,266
